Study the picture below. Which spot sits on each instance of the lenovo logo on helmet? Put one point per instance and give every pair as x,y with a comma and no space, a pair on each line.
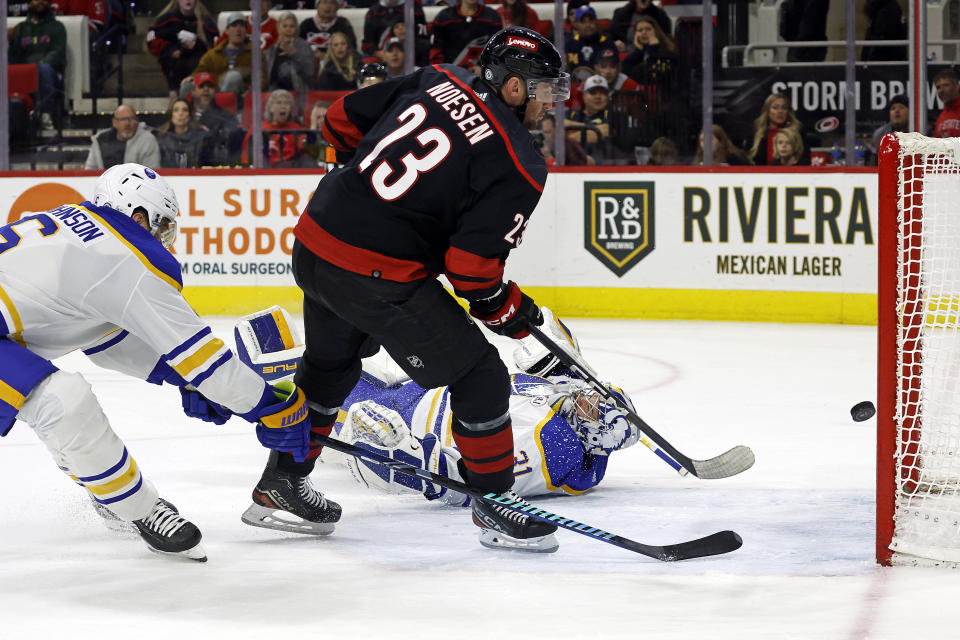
523,43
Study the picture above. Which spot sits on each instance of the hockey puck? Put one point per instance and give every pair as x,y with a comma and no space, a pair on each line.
862,411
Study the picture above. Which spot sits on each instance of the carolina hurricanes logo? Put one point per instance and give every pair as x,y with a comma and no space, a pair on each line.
523,43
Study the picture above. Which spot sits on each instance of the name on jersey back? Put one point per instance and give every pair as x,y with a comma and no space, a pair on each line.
78,221
468,116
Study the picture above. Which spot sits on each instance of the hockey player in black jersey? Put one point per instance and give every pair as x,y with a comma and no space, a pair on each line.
441,177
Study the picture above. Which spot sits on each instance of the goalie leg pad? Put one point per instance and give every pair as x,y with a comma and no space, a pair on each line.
67,418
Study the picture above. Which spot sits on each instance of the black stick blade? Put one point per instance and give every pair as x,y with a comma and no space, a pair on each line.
712,545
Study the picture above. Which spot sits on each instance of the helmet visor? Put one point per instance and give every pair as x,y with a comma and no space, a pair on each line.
549,89
163,229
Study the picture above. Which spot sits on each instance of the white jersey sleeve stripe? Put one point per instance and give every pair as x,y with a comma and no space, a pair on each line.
200,356
136,252
14,317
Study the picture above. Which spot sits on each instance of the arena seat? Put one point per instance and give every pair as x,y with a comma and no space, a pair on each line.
76,75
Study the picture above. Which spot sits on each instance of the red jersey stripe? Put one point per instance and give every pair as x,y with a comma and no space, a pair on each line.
485,448
338,130
355,259
463,263
503,134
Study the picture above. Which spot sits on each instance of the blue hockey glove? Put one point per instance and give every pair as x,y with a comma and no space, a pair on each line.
285,424
196,405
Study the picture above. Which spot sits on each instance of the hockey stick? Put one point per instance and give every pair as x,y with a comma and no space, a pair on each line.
712,545
730,463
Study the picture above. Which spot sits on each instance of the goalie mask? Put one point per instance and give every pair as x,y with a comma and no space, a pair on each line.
521,52
601,425
129,188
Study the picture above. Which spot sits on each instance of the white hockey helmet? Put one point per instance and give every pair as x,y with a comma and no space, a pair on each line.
131,187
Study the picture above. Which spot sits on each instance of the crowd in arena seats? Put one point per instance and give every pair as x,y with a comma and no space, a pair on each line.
633,70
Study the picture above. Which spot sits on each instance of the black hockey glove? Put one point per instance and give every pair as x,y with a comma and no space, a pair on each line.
508,313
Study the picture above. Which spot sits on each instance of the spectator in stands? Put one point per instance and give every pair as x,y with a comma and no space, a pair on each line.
371,73
663,153
268,26
802,20
340,65
653,55
290,61
41,39
947,83
787,148
231,61
224,135
179,37
317,113
572,7
898,110
624,21
318,28
517,13
381,17
574,155
607,64
393,57
127,141
292,5
181,139
776,114
724,151
590,125
584,43
885,23
282,150
459,32
421,44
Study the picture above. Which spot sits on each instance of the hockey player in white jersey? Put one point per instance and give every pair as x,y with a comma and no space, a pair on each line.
563,431
97,276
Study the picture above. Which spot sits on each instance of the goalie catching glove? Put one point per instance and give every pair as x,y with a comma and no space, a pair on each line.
508,313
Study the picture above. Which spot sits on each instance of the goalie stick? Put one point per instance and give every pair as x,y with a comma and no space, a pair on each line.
712,545
730,463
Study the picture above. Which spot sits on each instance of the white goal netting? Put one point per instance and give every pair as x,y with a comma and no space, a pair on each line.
927,465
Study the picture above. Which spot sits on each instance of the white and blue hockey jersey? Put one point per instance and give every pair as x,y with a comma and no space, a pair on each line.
88,277
548,454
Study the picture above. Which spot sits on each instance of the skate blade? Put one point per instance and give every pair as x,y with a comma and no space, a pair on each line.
279,520
195,554
496,540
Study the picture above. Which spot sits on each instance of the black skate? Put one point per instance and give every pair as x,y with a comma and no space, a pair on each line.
288,502
501,528
168,533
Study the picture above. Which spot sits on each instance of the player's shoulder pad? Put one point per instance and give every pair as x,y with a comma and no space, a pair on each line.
140,241
515,137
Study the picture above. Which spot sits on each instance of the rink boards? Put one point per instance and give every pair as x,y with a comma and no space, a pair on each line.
719,244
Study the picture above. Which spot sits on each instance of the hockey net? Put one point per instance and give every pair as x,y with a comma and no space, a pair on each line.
918,420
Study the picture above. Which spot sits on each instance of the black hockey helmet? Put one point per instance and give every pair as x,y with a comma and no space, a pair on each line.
372,70
517,51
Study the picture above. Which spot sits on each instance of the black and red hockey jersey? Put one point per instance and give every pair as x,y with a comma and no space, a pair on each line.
443,179
452,32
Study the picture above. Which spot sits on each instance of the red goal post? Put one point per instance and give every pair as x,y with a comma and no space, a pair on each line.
918,362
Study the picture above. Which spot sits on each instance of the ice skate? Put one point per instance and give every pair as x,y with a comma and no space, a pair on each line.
287,502
502,528
112,522
168,533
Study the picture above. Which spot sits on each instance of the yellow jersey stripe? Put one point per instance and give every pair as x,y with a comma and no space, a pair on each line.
146,262
15,317
199,356
285,334
117,483
10,395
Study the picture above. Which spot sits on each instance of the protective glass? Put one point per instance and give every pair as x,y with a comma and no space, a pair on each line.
549,89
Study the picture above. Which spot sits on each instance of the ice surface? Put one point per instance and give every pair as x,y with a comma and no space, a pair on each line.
401,566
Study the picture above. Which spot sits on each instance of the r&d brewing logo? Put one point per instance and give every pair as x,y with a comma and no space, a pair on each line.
618,222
